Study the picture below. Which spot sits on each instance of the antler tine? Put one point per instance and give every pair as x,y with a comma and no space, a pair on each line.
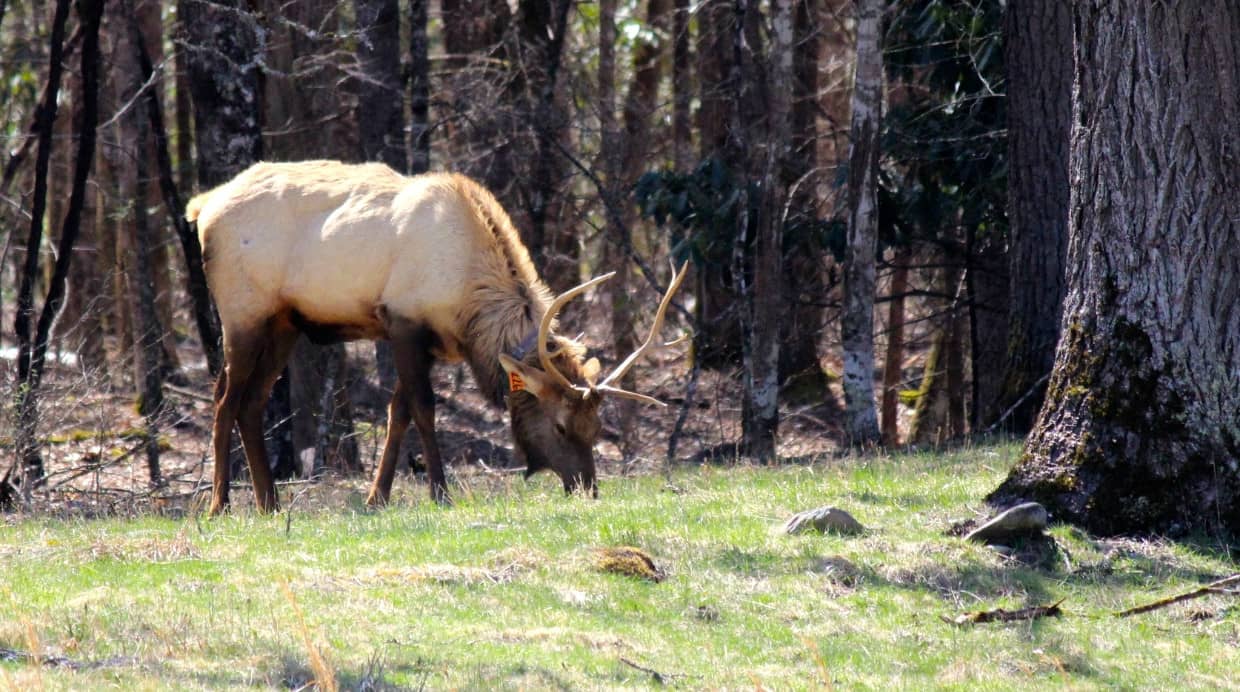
608,389
616,374
545,326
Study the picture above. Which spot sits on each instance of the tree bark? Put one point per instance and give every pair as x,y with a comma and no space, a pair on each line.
224,44
857,322
1038,56
1139,431
766,310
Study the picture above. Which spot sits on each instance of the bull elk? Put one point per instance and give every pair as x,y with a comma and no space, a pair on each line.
432,263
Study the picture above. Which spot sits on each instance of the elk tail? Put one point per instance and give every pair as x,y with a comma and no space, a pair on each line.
195,207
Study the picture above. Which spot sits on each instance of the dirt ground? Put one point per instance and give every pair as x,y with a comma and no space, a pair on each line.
96,464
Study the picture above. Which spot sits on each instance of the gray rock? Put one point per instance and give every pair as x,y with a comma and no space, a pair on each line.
1029,519
824,520
838,569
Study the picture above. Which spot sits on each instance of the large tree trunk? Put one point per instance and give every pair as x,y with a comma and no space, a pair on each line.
857,322
543,32
1140,430
380,107
223,40
1038,53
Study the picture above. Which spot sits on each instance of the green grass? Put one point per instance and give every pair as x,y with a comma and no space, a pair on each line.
501,591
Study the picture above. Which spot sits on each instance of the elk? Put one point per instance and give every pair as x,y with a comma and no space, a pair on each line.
431,263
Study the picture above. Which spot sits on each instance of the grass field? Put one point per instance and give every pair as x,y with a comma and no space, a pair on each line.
502,591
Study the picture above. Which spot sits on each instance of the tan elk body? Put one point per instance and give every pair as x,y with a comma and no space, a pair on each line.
432,263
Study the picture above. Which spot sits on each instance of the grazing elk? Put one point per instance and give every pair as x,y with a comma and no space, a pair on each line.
431,263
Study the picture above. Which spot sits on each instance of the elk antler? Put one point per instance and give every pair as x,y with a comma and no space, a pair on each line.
605,385
545,326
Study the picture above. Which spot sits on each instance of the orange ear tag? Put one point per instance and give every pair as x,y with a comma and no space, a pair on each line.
515,383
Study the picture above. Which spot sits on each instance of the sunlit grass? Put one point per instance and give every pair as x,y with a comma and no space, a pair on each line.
502,591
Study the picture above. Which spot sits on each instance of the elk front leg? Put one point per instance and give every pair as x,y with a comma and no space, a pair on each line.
398,422
424,418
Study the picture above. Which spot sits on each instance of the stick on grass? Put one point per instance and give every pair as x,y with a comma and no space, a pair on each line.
1213,587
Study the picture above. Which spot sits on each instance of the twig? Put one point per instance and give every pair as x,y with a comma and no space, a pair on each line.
1001,615
661,678
1006,414
188,393
1212,587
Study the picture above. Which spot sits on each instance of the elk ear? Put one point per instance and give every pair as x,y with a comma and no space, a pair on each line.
526,377
590,370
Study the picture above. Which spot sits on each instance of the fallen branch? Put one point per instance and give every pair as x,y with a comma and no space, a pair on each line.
661,678
1001,615
1212,587
189,393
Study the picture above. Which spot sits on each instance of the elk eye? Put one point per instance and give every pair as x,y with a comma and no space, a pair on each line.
559,428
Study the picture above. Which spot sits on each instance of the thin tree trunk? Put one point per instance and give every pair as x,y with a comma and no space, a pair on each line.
802,378
32,352
29,362
148,366
682,89
195,279
1037,39
767,307
893,364
1140,432
857,322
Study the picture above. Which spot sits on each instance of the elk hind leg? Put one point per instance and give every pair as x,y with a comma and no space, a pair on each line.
271,361
241,355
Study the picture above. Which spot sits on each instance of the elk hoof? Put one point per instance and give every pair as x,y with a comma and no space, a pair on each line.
376,501
441,497
218,508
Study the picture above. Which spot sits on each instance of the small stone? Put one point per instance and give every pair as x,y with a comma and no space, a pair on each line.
824,520
1029,519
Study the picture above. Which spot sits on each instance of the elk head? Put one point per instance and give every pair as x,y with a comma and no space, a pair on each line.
554,401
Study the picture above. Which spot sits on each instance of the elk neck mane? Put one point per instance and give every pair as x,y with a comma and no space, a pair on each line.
506,300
